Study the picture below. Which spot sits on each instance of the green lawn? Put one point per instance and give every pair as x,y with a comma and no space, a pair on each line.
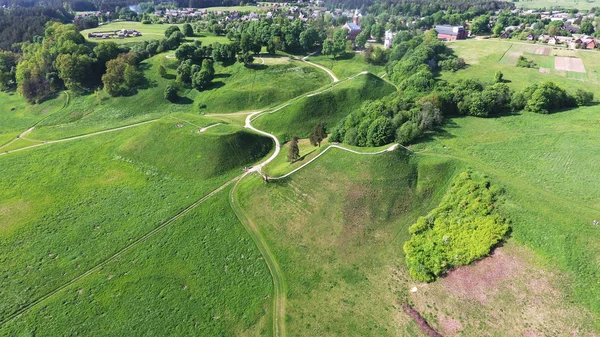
485,57
537,4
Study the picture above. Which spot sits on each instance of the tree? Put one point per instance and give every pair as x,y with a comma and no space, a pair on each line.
481,25
408,132
73,70
318,134
587,27
498,77
294,152
185,52
380,132
162,71
245,58
188,30
309,38
8,69
171,93
498,29
106,51
184,72
172,29
339,42
122,75
201,80
327,48
583,97
361,40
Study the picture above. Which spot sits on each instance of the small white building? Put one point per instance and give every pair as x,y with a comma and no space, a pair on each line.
389,38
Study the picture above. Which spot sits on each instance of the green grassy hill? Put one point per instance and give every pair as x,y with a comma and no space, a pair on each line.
329,106
337,229
236,88
68,206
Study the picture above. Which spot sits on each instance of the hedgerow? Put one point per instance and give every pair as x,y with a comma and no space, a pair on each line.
463,228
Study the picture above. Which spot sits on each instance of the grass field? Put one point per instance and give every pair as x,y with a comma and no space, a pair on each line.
337,228
203,276
485,57
66,207
328,107
348,65
149,32
537,4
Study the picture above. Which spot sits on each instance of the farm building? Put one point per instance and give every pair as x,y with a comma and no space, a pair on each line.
450,33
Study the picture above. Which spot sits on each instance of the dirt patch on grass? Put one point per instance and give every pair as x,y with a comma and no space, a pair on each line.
482,279
449,325
545,70
569,64
11,212
542,51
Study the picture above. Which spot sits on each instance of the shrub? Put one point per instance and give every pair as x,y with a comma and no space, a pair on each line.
463,228
583,97
525,63
171,93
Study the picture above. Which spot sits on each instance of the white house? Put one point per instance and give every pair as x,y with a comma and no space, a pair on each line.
389,37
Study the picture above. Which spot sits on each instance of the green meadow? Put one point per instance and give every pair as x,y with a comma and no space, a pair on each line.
149,32
329,106
119,233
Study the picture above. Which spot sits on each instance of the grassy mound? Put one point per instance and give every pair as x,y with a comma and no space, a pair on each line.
463,228
337,228
239,88
329,107
67,206
204,155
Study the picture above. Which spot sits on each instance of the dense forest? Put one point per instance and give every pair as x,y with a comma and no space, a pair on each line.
23,24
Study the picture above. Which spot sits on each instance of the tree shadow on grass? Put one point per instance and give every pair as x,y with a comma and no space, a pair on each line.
169,77
222,75
257,66
215,85
184,101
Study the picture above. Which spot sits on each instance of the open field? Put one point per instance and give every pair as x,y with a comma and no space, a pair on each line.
201,276
537,4
485,57
158,168
149,32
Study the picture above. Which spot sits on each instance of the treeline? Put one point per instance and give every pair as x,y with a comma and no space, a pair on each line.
422,102
23,24
63,60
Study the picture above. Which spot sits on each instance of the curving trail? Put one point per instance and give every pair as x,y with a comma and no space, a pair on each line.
98,266
334,146
305,59
77,137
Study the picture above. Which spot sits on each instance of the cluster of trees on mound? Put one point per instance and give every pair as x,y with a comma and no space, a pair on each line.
23,24
463,228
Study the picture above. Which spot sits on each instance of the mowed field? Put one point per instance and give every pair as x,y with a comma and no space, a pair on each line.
485,57
149,32
536,4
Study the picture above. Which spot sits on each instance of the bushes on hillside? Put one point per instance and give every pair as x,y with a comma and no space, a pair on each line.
546,97
463,228
171,93
525,63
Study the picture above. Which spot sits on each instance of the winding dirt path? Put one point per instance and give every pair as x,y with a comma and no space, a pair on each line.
305,59
77,137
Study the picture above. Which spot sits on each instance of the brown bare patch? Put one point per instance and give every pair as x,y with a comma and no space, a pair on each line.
357,212
482,279
449,325
545,70
569,64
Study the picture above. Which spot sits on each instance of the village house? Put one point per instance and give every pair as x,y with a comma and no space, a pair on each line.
450,33
389,38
